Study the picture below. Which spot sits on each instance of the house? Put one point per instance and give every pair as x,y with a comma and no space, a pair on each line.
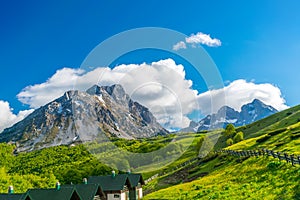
88,191
114,186
135,191
121,186
64,193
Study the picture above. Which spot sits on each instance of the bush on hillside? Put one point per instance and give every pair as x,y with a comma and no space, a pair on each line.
238,137
273,165
229,142
230,130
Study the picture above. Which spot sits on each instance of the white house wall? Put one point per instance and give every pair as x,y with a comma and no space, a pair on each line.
122,196
140,193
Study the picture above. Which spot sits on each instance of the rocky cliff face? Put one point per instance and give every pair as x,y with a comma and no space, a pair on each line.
249,113
255,111
82,116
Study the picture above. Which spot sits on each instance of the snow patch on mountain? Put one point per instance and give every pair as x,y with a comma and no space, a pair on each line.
249,113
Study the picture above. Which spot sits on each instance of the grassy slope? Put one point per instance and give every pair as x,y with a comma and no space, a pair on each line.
282,119
279,120
42,168
286,139
250,179
253,178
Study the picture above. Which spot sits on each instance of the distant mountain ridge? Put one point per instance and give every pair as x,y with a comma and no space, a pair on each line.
82,116
249,113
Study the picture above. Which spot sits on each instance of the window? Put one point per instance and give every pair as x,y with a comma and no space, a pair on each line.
116,196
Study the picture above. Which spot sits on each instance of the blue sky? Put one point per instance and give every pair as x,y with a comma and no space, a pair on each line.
260,39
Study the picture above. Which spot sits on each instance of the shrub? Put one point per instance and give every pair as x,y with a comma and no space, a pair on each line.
198,187
238,137
229,130
288,113
229,142
273,165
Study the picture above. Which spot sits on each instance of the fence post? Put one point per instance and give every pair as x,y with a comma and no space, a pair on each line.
286,157
273,154
278,155
264,151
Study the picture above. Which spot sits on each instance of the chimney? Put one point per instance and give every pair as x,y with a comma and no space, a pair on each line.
57,186
85,181
128,171
113,174
10,189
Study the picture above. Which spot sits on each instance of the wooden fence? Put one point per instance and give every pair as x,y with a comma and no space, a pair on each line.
289,158
175,168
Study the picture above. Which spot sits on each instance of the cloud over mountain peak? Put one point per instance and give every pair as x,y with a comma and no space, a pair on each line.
161,86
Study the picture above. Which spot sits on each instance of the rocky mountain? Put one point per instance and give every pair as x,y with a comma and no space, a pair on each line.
249,113
82,116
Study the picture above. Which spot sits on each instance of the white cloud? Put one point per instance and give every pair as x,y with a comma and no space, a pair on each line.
199,38
8,118
161,86
202,38
179,45
40,94
240,92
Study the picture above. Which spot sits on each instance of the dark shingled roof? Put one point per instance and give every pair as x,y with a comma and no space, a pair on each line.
67,193
87,191
12,196
110,183
135,179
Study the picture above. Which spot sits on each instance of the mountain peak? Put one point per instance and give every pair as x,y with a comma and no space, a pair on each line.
81,116
116,89
249,113
256,101
95,89
225,109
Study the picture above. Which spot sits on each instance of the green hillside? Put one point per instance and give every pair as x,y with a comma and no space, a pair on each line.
222,176
43,168
70,164
277,121
253,178
216,176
